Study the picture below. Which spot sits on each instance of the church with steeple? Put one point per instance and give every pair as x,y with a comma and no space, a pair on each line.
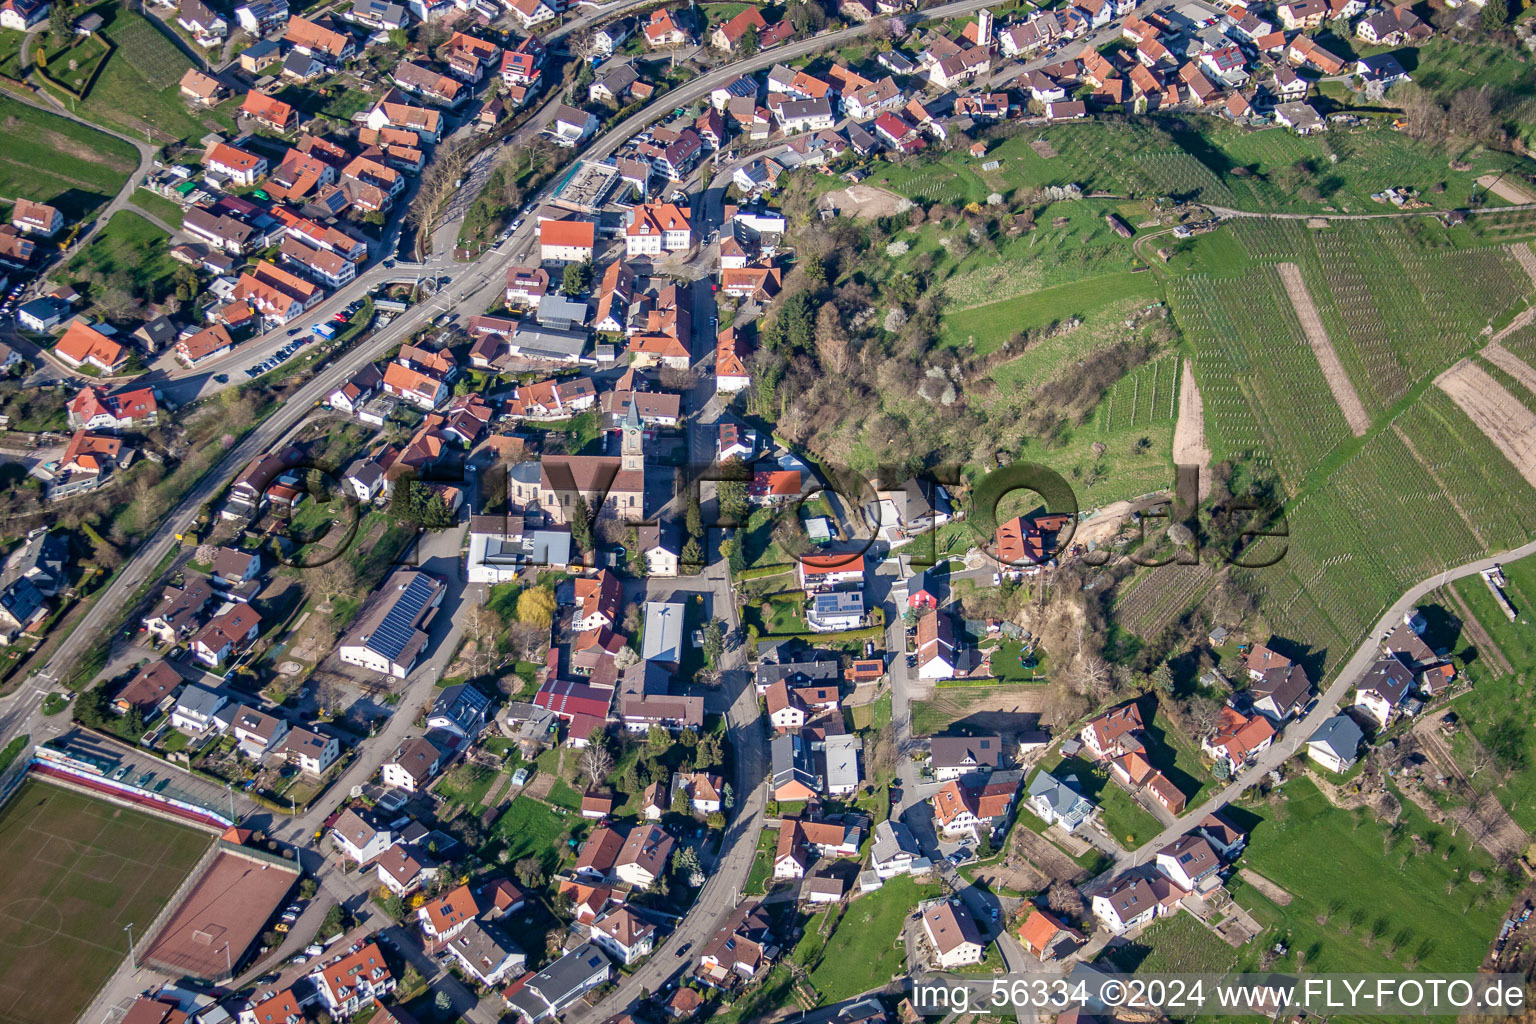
614,486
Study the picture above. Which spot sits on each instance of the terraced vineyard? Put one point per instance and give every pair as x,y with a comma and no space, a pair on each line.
1159,595
1147,395
1177,173
1421,492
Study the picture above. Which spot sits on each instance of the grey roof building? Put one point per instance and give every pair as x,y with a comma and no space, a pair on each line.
459,709
560,984
561,313
1058,803
40,560
1336,742
841,755
792,763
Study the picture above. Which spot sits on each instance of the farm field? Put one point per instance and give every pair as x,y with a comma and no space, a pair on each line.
60,162
79,870
1416,914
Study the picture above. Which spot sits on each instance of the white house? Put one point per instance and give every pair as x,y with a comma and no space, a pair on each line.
354,981
401,871
1056,803
1188,861
1335,743
1383,688
359,839
623,935
1133,900
655,228
413,765
835,611
257,732
310,750
894,849
390,634
196,708
486,954
643,857
952,933
936,651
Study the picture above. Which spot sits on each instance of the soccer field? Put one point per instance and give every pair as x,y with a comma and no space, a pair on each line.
78,870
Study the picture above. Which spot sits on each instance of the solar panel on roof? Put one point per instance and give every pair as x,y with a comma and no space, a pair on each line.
399,626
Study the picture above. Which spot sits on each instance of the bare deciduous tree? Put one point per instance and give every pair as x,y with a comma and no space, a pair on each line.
596,763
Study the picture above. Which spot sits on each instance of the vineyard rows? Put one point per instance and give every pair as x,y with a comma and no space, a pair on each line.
1476,475
1274,240
1146,395
1160,595
1176,173
149,53
1522,343
1264,395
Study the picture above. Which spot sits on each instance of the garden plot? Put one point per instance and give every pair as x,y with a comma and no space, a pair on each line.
865,202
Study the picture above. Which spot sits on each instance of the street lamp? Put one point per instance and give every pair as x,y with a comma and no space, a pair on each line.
132,960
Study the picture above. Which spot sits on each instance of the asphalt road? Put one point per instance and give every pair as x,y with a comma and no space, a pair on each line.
1298,732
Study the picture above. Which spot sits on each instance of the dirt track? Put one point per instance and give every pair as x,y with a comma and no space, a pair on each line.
1502,417
1189,447
1333,370
1275,894
1509,191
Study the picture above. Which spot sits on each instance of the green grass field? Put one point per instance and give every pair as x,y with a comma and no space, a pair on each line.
159,206
531,829
984,328
57,161
1364,899
866,949
137,92
131,252
1174,945
78,869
